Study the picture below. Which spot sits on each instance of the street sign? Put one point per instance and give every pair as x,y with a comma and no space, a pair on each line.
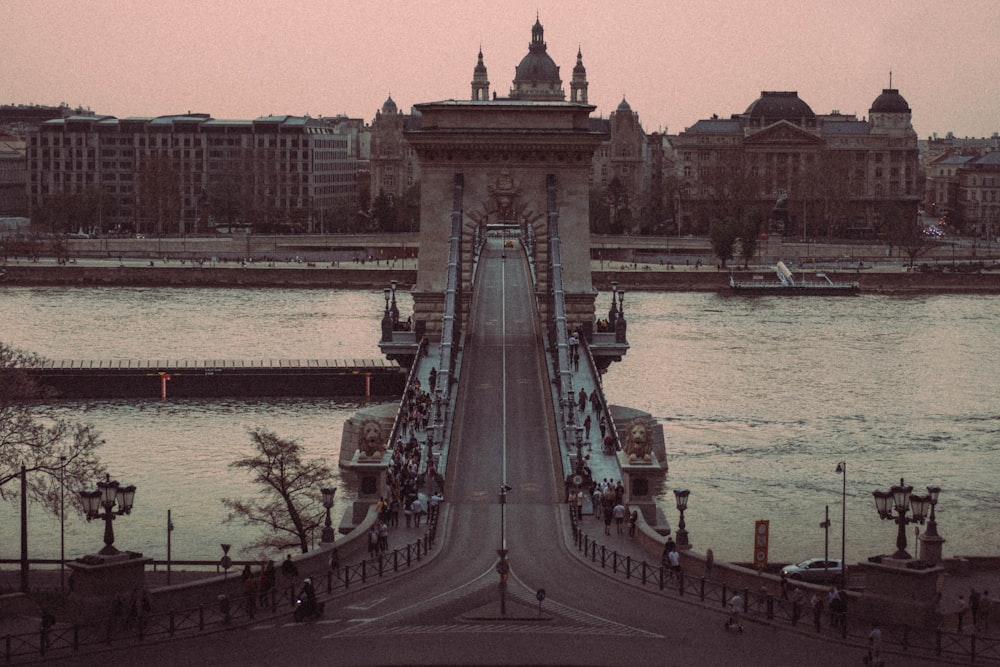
760,531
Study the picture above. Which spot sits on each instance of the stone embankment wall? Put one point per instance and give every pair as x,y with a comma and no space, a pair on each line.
705,280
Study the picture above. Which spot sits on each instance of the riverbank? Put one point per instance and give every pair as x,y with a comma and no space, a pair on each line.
886,279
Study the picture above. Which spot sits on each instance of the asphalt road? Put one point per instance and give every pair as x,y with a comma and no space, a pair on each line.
449,610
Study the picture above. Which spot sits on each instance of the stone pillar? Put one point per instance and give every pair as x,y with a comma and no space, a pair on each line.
96,581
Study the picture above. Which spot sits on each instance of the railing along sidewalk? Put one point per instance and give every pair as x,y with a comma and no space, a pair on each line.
763,606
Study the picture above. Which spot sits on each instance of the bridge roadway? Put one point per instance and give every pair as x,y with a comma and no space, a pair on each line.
449,611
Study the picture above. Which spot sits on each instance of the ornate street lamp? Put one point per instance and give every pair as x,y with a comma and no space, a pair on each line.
328,532
613,312
109,494
900,499
681,495
394,310
842,469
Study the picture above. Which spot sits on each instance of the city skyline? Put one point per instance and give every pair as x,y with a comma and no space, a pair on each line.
675,64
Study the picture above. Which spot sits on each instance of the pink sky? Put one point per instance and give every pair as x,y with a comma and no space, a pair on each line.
676,62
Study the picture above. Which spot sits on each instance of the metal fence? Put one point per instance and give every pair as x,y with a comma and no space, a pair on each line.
925,642
224,611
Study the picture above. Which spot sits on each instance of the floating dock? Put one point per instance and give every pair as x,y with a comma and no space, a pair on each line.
219,378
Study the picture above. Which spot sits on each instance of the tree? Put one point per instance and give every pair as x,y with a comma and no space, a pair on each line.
723,234
289,504
159,192
37,442
753,221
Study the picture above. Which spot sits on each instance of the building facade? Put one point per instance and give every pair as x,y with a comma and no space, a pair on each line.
191,173
808,174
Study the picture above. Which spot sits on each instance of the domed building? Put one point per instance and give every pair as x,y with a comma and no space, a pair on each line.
808,174
537,76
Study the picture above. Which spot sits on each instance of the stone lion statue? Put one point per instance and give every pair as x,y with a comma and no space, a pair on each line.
638,445
371,443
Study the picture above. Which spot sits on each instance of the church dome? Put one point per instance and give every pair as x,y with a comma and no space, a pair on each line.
890,101
389,106
624,106
537,77
773,106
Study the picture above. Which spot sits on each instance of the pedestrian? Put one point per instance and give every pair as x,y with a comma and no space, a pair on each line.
784,586
874,646
709,563
675,564
408,512
960,608
579,504
333,563
619,513
372,540
435,504
249,591
974,601
595,402
798,599
586,427
266,581
608,515
582,400
383,537
633,519
289,569
603,425
417,508
817,607
596,500
985,603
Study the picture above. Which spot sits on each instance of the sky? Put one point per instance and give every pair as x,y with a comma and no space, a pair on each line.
674,61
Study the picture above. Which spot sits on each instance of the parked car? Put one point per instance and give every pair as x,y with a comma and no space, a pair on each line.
814,570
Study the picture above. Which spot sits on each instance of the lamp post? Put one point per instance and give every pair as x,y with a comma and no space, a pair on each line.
900,499
328,532
62,523
842,469
393,309
109,494
613,312
681,495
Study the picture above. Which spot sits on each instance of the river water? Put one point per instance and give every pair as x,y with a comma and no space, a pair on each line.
759,400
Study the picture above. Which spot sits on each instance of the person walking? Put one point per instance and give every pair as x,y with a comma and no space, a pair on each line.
960,608
417,508
619,513
675,564
817,607
633,519
586,427
582,400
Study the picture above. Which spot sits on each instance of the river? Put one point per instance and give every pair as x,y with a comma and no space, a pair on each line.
759,400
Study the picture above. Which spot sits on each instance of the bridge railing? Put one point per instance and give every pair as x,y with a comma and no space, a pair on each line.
763,606
224,611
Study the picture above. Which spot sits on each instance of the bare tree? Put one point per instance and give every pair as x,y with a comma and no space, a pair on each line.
50,449
288,504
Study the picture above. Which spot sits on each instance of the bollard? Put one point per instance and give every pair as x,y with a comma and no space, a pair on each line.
628,567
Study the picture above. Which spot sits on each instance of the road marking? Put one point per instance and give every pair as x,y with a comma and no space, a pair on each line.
367,605
484,385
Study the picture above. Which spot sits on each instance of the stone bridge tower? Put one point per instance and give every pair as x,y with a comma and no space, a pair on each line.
505,148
